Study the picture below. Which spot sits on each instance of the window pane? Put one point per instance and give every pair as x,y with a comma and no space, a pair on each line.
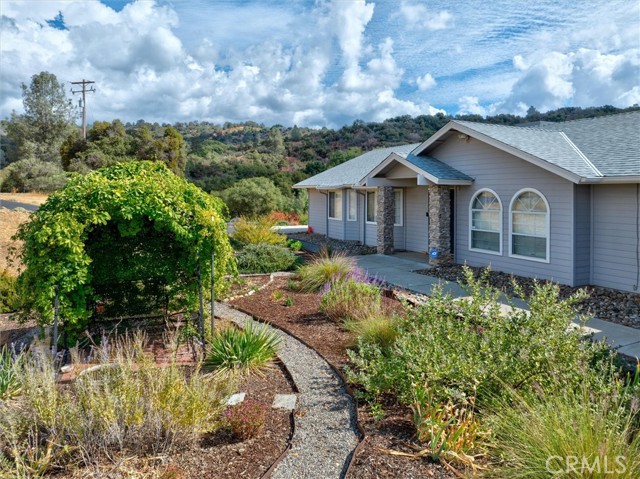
397,212
353,205
530,201
485,240
335,205
529,246
371,206
486,220
487,201
530,224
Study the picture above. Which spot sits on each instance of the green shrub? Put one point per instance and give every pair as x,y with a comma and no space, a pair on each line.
469,348
32,174
294,245
253,197
323,270
8,292
249,350
247,419
351,299
568,433
126,404
257,231
378,329
265,258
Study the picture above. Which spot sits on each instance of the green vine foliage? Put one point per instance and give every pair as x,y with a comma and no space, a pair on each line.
134,223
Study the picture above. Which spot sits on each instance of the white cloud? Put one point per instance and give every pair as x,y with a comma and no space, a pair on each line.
584,77
418,15
470,105
425,82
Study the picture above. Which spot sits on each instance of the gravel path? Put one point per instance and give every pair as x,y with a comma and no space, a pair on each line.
326,432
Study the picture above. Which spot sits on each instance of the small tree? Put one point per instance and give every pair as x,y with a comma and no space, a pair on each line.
252,197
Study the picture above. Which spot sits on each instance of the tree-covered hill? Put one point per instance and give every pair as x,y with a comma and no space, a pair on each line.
40,148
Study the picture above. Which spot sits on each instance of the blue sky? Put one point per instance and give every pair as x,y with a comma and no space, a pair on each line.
323,63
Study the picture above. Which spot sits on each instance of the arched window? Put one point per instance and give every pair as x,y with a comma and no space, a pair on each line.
485,227
529,225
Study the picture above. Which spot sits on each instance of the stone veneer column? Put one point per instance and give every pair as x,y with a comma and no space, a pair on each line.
386,209
439,225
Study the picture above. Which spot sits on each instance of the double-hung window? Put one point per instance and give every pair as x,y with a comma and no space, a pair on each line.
335,205
486,223
529,226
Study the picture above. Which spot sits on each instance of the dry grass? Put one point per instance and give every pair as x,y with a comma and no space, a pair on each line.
33,198
9,222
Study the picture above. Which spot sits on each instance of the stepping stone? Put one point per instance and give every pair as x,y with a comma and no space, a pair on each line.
236,399
284,401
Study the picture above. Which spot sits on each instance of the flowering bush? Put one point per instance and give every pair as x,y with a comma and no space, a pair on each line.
247,419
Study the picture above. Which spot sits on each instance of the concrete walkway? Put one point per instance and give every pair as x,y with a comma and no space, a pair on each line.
399,270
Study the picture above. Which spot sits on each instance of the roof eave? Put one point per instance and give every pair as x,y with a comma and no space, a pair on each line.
611,180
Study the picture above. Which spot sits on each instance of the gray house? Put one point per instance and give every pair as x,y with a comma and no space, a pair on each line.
554,201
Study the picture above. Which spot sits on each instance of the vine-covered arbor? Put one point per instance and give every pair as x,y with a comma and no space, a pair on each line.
122,233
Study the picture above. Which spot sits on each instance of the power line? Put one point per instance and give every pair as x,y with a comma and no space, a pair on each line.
84,91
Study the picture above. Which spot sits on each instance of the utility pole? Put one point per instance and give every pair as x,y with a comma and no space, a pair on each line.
84,91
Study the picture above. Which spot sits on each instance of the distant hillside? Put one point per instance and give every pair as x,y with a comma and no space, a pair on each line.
222,154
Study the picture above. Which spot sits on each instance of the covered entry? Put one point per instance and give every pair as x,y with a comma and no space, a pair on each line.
428,187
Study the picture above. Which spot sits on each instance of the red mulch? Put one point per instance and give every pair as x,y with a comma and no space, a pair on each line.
299,314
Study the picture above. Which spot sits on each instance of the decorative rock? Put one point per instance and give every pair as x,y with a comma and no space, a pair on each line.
284,401
236,399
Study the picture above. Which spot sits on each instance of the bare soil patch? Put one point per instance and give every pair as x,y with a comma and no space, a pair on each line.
301,316
32,198
9,222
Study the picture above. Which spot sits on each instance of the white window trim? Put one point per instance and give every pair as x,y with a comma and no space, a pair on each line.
336,210
479,250
366,207
547,225
355,196
401,190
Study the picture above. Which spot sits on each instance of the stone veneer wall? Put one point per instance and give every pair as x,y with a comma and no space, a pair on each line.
439,224
386,210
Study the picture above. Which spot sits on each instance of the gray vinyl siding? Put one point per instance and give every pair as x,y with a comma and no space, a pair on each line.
506,174
582,235
318,212
615,233
415,219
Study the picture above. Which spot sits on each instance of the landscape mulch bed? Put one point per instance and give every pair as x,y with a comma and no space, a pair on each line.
299,314
218,454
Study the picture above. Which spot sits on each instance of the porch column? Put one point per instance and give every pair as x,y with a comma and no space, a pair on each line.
439,225
386,208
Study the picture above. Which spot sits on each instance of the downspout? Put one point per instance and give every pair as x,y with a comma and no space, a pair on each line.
591,232
326,212
635,286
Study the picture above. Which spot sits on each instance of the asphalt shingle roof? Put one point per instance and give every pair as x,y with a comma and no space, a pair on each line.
605,146
589,148
437,168
353,171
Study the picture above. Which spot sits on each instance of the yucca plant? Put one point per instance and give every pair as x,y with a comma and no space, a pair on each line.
9,378
325,268
249,350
